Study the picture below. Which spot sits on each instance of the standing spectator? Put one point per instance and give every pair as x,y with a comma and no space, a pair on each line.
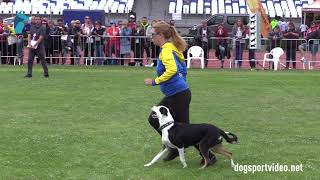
139,43
54,40
45,25
222,46
87,29
274,23
4,32
113,33
132,26
12,40
312,33
275,37
132,22
75,33
98,32
20,44
239,34
3,40
154,49
291,33
59,45
203,33
283,25
147,39
36,47
125,43
303,29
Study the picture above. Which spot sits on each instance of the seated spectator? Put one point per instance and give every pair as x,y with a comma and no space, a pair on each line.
222,46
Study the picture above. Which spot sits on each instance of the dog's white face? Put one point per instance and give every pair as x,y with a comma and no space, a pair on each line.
163,114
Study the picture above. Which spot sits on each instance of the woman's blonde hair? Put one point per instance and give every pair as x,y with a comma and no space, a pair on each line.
169,32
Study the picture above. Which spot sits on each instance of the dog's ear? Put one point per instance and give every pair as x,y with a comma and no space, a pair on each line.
163,111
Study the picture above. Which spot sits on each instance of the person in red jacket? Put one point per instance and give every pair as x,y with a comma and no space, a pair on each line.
114,42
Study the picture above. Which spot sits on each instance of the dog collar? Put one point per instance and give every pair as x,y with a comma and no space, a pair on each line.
165,125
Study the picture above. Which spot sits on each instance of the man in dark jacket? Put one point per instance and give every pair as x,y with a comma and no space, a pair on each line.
36,47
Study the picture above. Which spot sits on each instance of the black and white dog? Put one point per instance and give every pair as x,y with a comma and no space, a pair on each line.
181,135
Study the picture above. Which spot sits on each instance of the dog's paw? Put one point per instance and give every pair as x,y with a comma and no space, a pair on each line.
147,165
232,163
184,165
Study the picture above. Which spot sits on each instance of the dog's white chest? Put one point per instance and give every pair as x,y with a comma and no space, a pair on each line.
166,141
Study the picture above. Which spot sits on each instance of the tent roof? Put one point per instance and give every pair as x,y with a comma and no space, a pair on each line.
314,7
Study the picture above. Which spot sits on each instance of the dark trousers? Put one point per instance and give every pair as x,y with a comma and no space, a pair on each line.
178,105
291,56
205,52
252,58
40,52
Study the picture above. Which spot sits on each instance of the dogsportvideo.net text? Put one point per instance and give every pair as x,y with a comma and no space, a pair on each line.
274,167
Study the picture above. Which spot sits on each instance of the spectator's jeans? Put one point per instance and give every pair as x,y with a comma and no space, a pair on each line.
99,54
20,49
239,53
222,50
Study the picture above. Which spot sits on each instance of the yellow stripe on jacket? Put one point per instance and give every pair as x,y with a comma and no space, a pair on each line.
167,59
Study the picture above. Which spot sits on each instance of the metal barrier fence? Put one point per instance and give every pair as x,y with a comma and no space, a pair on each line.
139,50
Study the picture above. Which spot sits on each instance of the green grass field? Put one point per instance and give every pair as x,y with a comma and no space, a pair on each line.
91,123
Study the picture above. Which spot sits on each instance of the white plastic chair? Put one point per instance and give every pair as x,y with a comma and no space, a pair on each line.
196,52
276,53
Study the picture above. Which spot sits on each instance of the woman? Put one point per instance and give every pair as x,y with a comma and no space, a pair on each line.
139,44
113,33
239,34
171,71
87,29
125,43
98,32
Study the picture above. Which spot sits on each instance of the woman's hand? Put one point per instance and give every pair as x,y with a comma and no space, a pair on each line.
148,81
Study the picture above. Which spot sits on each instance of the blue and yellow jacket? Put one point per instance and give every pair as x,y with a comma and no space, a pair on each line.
171,70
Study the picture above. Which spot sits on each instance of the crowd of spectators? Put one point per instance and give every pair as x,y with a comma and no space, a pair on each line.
128,42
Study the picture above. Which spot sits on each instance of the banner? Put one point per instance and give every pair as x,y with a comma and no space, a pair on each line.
19,21
254,35
256,7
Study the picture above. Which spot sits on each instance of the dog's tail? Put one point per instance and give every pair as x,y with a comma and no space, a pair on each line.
229,137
